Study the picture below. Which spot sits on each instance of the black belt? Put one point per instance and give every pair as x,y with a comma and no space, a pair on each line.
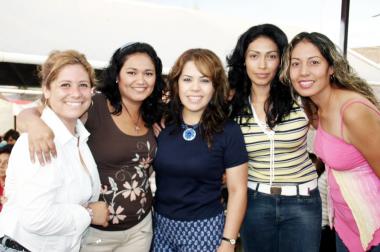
9,243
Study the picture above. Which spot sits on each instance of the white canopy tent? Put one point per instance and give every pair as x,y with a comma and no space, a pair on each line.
31,29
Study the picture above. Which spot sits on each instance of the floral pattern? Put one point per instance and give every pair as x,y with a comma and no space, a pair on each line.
130,183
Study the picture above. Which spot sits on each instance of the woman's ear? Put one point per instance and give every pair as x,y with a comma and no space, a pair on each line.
46,92
331,70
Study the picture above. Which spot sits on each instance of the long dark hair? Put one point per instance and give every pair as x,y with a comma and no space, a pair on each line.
215,115
280,101
151,109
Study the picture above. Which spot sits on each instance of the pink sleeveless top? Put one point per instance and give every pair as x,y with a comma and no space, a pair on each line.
354,189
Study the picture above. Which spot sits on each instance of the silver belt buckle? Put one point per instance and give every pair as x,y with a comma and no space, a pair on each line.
275,190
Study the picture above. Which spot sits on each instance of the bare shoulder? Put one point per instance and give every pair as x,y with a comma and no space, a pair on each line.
350,101
355,108
360,112
358,117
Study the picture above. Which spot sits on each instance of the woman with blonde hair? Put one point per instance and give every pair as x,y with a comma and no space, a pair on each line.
347,117
49,208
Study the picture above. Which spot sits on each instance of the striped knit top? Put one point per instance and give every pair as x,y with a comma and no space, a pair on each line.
278,157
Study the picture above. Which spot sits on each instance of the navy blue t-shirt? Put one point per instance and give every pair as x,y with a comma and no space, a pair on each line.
189,174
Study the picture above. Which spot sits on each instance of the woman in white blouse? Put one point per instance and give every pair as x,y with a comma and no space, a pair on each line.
49,208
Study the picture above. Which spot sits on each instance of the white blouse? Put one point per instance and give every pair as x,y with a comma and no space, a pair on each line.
45,204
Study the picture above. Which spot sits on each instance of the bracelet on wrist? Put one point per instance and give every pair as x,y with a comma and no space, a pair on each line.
231,241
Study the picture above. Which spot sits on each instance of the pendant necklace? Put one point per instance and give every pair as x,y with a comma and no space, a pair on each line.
136,124
189,133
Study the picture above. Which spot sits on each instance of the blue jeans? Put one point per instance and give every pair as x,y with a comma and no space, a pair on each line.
340,247
275,223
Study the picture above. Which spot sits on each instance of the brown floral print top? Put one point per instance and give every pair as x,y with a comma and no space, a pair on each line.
124,164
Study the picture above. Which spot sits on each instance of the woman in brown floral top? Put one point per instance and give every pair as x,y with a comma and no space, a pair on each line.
123,145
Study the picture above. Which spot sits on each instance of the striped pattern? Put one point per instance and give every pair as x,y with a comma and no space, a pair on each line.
292,164
322,186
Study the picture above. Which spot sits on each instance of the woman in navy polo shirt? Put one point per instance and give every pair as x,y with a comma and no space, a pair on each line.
197,146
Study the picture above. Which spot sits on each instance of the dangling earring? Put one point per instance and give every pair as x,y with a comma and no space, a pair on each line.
332,78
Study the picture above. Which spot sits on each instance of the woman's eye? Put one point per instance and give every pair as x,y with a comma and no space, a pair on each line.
84,84
314,62
149,74
272,56
253,56
205,80
294,64
65,84
131,73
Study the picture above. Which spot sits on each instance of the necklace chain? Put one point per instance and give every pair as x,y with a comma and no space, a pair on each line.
136,124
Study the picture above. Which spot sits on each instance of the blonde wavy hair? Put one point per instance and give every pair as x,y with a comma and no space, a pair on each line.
344,76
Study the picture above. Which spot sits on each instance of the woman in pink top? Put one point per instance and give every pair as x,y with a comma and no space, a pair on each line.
346,113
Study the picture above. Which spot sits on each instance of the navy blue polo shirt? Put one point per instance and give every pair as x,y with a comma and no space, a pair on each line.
189,174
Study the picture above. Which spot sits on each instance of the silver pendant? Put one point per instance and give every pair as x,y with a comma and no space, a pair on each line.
189,134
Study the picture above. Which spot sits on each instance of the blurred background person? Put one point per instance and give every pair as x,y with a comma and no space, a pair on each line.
5,152
10,137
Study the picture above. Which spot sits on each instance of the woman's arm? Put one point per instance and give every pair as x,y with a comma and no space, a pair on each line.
237,203
41,137
361,128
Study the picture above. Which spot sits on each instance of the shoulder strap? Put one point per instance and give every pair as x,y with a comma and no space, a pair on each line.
352,101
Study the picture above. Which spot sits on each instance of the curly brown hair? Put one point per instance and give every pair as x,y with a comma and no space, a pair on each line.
216,112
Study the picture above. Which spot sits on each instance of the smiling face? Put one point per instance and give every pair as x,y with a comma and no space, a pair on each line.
262,60
195,91
69,95
137,78
309,70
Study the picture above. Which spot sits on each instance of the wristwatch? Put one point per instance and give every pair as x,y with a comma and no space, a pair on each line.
231,241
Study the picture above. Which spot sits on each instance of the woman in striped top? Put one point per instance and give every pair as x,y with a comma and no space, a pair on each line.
284,206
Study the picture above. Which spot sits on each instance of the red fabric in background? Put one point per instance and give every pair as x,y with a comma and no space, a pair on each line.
1,194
